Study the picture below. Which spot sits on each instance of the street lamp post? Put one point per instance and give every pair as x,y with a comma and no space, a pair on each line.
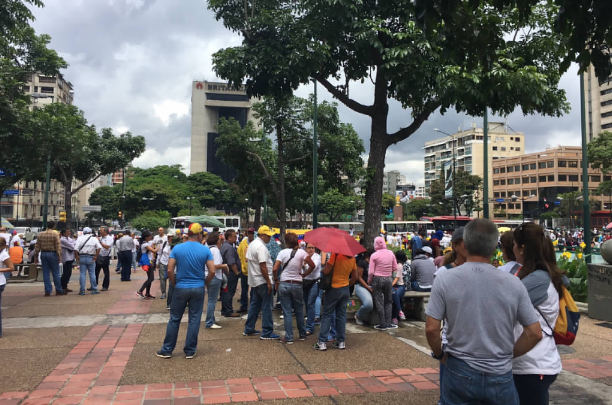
315,164
148,202
190,198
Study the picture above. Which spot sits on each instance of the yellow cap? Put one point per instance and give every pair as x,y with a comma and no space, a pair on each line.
265,230
195,228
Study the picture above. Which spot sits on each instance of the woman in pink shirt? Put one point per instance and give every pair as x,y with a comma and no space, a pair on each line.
382,266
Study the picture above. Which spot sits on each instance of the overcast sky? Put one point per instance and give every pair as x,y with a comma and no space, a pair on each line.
132,63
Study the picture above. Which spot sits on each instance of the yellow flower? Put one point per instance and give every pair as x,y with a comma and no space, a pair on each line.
428,238
579,255
555,242
582,245
566,255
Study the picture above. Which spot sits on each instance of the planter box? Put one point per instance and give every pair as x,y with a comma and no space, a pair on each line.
600,291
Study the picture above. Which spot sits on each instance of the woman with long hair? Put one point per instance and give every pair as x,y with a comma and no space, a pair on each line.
507,248
536,370
146,261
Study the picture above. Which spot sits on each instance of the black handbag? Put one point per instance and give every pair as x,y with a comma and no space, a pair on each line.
325,283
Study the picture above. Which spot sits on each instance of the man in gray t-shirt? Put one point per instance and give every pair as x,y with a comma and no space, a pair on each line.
481,306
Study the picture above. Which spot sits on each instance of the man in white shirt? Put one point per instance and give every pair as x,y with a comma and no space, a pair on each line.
103,262
135,251
158,240
86,252
125,245
260,270
446,240
162,266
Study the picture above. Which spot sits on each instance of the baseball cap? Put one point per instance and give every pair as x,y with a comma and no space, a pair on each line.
265,230
427,249
87,230
458,234
251,230
195,228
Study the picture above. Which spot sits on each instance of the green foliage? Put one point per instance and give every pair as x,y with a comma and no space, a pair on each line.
599,152
110,200
337,205
419,208
465,184
388,202
577,272
572,206
152,220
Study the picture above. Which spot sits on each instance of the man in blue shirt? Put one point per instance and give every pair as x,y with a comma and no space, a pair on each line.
190,259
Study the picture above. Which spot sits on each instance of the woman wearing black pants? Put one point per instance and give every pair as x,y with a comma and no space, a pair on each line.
67,258
148,254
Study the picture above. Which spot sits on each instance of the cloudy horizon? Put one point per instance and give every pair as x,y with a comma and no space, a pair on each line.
132,63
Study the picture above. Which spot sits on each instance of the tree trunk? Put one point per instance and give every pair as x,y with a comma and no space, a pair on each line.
375,176
257,219
282,208
68,203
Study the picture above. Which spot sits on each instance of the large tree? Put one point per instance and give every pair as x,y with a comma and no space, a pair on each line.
599,152
287,43
78,153
22,53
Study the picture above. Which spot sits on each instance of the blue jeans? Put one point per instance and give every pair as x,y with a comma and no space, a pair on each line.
260,302
213,293
244,293
134,262
398,294
311,294
367,304
463,384
87,265
334,302
180,298
50,265
292,298
332,331
415,287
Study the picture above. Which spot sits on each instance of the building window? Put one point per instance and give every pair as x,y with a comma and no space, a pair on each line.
510,206
496,171
518,193
533,179
510,169
542,179
518,149
562,177
573,177
502,182
479,138
495,195
562,163
517,168
525,167
551,178
572,163
510,182
517,206
503,149
550,164
596,179
494,147
512,148
512,138
496,182
605,103
542,165
46,90
606,126
501,169
606,114
607,178
503,194
532,166
517,181
606,91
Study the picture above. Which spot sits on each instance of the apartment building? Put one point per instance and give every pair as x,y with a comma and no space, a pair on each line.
421,192
48,89
467,147
598,105
390,181
536,179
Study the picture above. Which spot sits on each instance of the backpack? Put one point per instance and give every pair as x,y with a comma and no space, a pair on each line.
417,243
566,327
406,273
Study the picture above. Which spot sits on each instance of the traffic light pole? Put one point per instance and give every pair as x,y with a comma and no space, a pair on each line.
47,188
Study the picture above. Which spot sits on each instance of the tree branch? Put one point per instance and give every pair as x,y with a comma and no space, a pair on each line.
412,128
89,181
297,159
352,104
266,173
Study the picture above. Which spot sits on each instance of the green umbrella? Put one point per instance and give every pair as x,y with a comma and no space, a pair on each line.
207,220
7,224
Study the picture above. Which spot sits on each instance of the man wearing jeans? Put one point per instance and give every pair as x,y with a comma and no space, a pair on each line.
86,252
106,241
232,260
124,256
260,269
48,244
481,344
189,259
244,277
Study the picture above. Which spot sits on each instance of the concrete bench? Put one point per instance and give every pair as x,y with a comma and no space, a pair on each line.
414,304
25,273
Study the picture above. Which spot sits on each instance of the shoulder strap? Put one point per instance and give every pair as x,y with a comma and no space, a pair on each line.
84,244
515,269
550,327
293,252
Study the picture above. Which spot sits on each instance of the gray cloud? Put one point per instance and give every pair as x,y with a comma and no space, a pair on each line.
132,63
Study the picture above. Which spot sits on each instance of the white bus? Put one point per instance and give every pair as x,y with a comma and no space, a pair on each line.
356,227
403,227
229,222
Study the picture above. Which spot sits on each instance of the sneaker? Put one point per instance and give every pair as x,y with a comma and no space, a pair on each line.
379,327
139,294
392,326
402,316
232,315
190,356
168,307
90,289
322,346
60,293
105,289
273,336
215,326
304,337
149,297
282,317
339,345
68,290
164,355
254,333
358,321
94,292
394,321
163,297
286,341
242,311
82,292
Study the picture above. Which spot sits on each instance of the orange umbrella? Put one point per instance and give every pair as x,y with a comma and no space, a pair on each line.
334,241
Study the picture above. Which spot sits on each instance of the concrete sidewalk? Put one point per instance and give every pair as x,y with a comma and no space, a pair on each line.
101,349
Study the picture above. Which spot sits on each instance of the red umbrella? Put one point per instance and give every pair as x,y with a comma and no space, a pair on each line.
334,241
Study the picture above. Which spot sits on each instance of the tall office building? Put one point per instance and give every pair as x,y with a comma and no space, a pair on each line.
598,105
468,147
210,102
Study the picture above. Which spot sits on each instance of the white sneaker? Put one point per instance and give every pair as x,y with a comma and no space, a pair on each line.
402,316
359,321
215,326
